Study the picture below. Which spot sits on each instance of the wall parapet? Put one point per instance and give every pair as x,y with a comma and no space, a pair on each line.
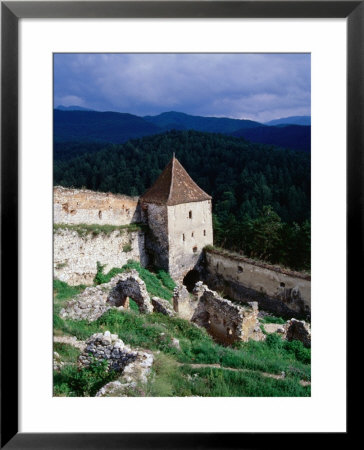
254,262
282,292
76,206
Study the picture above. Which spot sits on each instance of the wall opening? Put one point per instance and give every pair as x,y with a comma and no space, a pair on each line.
240,269
194,249
183,237
192,234
191,279
190,215
282,284
100,214
204,232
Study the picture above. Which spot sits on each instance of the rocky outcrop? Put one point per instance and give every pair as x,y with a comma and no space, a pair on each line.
298,330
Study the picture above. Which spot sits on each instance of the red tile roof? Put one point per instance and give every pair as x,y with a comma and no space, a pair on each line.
174,186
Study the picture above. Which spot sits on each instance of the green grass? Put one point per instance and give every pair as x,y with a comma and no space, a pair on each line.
74,382
64,292
127,248
273,319
156,331
94,229
159,285
67,352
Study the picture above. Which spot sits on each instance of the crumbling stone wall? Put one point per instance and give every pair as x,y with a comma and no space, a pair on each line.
126,285
76,206
75,256
94,301
298,330
107,346
282,292
225,321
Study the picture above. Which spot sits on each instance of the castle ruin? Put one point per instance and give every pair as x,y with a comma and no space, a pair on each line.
177,218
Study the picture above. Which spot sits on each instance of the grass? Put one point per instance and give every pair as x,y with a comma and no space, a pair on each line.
273,319
158,285
127,248
84,229
67,352
156,331
74,382
64,292
172,375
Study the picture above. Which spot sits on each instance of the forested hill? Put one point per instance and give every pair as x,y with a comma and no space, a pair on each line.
243,179
235,172
114,127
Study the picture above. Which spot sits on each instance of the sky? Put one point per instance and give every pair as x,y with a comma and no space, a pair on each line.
259,87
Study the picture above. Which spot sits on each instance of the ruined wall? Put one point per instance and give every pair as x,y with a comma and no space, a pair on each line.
76,255
224,320
190,230
282,292
76,206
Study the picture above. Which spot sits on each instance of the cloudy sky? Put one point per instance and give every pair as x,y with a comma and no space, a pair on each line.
245,86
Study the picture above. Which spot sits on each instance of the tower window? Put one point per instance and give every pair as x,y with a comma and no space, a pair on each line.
100,214
204,232
190,215
194,249
183,237
192,234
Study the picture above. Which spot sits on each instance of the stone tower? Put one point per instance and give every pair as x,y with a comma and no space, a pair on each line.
179,217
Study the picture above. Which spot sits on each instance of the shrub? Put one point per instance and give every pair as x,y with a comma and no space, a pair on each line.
127,248
300,352
85,382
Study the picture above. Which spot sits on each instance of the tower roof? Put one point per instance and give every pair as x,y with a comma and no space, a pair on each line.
174,186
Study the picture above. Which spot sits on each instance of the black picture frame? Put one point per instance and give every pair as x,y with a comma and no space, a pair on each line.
11,12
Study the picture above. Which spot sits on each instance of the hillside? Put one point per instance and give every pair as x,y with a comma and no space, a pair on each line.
292,120
71,124
99,126
180,121
289,136
187,361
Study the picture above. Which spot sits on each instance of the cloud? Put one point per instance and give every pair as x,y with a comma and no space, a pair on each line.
256,86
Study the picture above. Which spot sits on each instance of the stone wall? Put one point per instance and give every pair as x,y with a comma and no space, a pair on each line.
277,290
224,320
76,206
76,255
157,235
189,231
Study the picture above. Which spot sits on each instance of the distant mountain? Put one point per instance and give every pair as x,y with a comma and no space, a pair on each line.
73,108
116,128
290,136
293,120
181,121
99,126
